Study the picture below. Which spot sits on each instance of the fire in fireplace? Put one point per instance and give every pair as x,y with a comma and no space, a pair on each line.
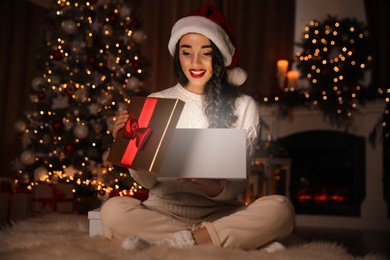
327,172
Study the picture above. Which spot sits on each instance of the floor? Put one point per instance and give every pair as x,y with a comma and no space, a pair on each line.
357,242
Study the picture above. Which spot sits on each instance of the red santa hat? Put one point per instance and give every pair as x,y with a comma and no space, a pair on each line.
210,22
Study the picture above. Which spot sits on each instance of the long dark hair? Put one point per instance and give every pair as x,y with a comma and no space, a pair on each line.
219,94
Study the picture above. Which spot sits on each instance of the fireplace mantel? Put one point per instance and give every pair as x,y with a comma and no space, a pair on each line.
373,209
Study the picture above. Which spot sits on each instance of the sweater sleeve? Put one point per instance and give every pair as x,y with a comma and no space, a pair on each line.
248,118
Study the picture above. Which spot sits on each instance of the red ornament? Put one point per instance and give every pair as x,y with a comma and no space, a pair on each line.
354,89
136,65
91,60
41,95
58,55
57,125
277,90
257,96
68,90
113,18
134,23
69,149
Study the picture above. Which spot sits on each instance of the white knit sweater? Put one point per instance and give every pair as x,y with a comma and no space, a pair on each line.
181,200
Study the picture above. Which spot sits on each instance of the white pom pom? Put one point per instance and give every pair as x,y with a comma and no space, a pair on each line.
237,76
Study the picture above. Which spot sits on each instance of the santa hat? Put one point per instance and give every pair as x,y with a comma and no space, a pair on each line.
210,22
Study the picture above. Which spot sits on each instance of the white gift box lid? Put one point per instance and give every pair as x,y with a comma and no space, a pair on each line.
95,225
217,153
94,214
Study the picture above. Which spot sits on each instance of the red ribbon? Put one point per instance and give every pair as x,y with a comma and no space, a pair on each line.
138,131
58,196
133,131
17,189
9,208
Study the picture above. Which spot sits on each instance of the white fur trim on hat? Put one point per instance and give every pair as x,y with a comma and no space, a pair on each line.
206,27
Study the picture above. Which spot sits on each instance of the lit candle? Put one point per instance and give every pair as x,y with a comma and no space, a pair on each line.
282,66
292,78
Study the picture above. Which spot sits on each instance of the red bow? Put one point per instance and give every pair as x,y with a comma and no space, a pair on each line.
58,196
138,131
133,131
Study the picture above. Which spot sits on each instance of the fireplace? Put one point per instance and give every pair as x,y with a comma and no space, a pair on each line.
327,172
352,195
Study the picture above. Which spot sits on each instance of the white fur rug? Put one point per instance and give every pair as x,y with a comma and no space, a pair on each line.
65,236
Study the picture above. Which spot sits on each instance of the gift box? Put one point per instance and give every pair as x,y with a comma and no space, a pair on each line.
53,197
95,224
15,204
4,208
144,140
20,206
5,197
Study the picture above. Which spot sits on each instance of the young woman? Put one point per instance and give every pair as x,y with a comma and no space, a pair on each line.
201,211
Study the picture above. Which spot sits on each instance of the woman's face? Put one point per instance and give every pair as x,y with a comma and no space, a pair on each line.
195,55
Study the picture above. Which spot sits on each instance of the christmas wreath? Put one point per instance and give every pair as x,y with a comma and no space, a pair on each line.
334,56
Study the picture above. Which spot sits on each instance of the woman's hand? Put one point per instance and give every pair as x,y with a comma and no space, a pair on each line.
210,187
120,122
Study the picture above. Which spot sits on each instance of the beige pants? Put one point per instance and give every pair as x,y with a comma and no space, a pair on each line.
267,219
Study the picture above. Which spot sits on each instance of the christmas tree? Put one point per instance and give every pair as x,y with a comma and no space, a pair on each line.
89,65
